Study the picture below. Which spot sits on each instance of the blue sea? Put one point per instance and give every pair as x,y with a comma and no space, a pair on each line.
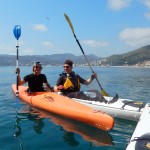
24,127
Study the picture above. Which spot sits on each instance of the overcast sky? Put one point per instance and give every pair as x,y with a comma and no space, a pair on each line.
103,27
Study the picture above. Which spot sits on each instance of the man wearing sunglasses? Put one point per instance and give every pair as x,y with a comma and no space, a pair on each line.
69,82
35,80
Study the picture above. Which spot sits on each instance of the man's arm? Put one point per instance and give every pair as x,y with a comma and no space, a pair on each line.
88,81
49,88
59,85
20,82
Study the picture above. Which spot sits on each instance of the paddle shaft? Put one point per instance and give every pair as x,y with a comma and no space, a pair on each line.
87,60
104,93
17,65
17,34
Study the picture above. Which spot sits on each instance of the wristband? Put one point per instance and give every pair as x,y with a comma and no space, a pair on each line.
92,77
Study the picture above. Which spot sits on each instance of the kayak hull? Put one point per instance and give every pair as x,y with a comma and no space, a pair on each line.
140,139
66,107
122,108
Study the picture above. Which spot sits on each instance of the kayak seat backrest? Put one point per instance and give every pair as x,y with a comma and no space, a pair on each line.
115,98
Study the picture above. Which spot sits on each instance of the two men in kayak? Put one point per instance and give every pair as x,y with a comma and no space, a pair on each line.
68,83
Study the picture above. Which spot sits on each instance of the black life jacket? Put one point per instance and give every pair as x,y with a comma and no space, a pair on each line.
72,82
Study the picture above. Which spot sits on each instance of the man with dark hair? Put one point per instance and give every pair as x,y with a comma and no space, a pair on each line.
35,80
69,81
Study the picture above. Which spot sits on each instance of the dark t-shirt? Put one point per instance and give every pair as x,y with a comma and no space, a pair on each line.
35,82
74,79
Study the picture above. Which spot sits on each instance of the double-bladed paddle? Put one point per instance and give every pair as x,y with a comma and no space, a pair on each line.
103,92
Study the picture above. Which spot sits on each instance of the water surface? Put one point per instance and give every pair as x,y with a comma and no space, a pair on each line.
33,129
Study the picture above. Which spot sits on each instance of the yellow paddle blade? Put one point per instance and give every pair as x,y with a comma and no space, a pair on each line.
69,22
104,93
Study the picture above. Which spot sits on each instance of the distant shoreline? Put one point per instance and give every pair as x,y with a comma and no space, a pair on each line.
83,66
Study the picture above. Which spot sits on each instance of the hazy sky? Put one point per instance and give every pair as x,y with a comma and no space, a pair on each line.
103,27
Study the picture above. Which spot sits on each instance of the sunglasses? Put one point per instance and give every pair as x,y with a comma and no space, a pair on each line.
38,67
66,66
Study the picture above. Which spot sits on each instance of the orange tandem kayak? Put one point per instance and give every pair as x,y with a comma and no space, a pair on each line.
64,106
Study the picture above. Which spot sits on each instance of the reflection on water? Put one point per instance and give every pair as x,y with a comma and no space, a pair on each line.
69,138
17,127
67,126
122,132
38,124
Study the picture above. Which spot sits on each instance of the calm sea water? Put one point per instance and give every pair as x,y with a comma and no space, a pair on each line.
34,129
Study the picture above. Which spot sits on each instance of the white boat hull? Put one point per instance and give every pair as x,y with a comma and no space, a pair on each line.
140,139
117,109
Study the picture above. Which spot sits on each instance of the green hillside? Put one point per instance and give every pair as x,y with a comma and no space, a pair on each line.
131,58
54,59
138,56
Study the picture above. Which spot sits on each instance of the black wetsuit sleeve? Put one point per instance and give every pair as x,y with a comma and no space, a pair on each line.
60,81
81,79
44,78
